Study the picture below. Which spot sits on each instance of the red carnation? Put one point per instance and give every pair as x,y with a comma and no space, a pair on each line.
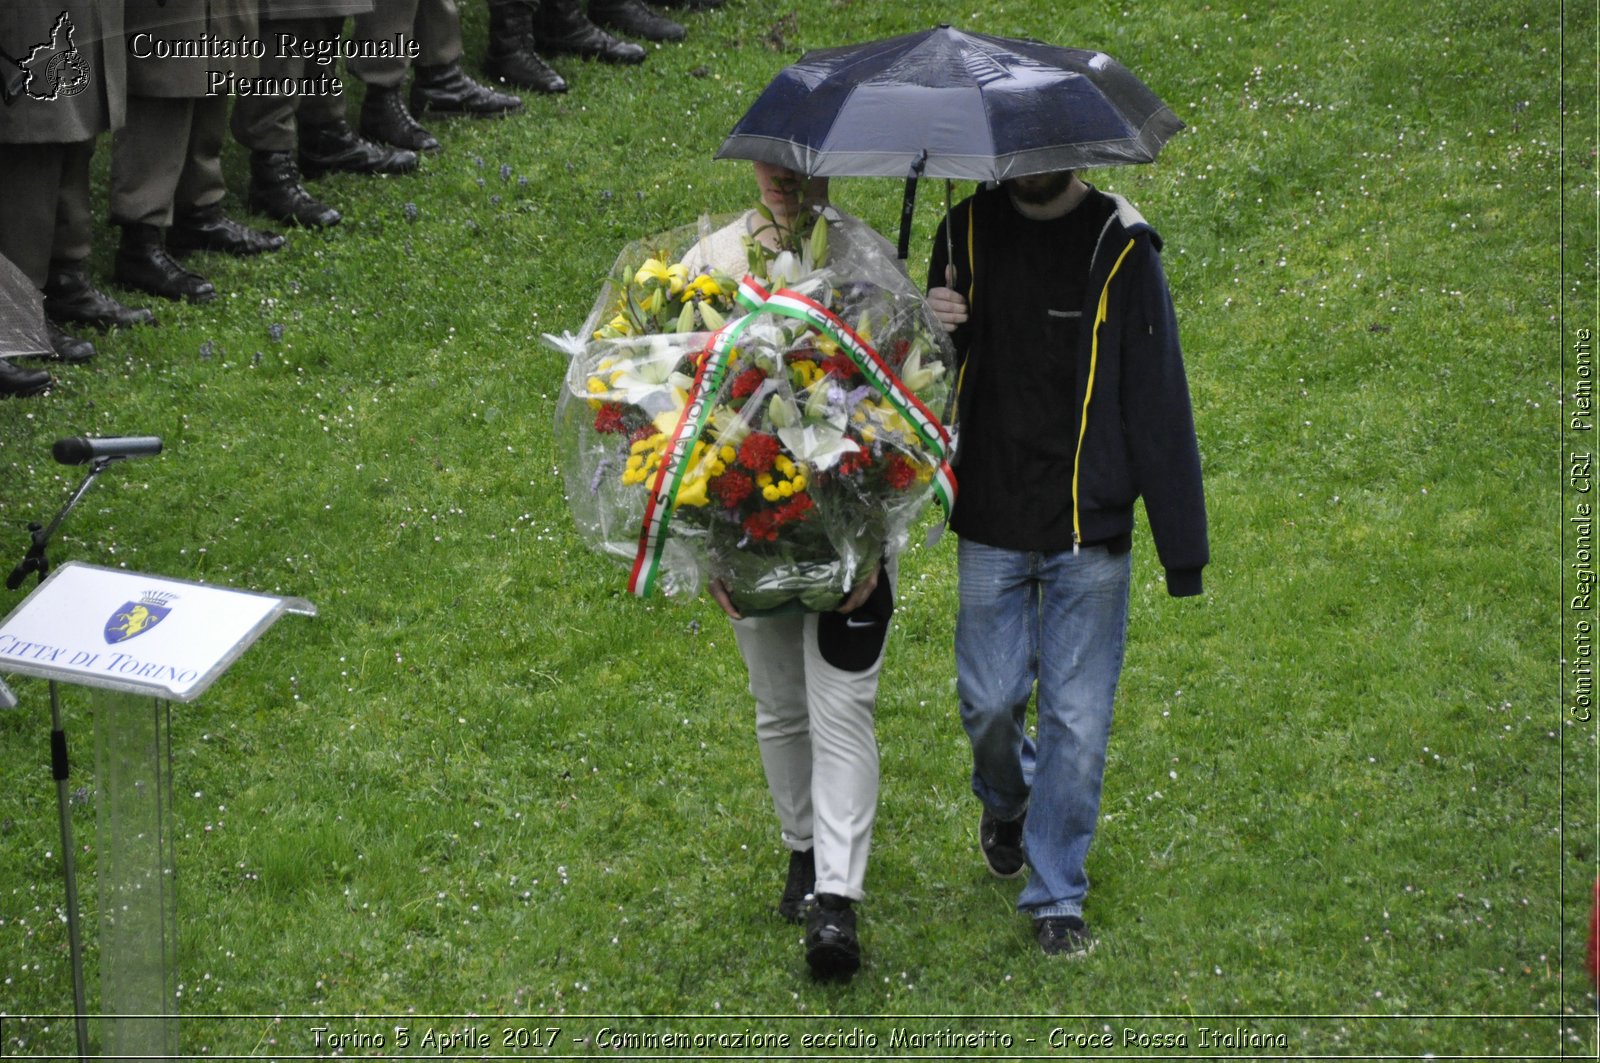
644,431
899,474
758,451
762,525
854,462
745,384
795,509
609,419
732,487
840,366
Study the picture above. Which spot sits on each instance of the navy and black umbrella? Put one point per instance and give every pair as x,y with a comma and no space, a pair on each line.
22,327
945,103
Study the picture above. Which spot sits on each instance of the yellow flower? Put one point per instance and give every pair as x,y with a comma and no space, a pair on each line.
653,270
705,286
691,493
771,493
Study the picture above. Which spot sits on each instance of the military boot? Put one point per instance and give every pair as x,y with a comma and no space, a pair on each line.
511,56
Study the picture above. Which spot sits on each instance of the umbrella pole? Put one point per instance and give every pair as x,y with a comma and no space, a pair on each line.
949,238
910,201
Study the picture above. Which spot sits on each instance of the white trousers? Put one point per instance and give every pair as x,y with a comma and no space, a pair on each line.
815,729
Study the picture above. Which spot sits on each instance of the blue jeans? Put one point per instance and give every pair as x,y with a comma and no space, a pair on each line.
1059,620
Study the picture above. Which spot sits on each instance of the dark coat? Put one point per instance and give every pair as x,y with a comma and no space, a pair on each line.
283,9
73,53
149,23
1132,418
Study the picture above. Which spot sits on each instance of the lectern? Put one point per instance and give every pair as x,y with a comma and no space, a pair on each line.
140,643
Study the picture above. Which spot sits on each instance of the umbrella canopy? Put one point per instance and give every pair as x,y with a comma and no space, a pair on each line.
943,103
22,330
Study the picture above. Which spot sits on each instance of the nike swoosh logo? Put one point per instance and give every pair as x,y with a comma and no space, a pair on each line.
856,621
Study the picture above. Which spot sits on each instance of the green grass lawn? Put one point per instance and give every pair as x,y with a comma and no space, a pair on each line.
1345,803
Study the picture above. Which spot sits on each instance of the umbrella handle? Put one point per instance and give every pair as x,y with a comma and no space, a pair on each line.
909,202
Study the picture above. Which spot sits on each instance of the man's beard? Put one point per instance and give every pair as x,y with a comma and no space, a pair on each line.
1039,189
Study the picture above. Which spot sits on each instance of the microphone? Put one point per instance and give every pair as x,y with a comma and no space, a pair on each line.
80,450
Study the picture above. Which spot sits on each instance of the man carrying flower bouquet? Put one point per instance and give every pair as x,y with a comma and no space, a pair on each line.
1072,404
757,411
814,675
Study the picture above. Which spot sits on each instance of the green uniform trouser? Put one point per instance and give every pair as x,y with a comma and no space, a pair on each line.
44,213
434,24
167,159
269,123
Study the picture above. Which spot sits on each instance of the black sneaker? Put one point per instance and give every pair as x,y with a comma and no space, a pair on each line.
1001,842
801,885
1063,935
832,948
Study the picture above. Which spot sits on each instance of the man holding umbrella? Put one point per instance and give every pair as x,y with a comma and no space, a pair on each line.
1072,398
1073,403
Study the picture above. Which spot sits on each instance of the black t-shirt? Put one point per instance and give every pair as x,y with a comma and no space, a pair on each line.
1019,426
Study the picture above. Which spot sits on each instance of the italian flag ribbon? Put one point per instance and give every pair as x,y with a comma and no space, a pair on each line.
711,368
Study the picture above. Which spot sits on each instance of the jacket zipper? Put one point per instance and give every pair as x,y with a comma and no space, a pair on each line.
1088,394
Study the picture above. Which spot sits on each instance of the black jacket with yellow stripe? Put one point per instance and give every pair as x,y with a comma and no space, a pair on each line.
1131,418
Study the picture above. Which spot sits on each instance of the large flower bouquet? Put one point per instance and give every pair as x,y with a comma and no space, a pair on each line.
777,432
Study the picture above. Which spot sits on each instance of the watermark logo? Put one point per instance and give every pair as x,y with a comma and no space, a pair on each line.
50,71
132,619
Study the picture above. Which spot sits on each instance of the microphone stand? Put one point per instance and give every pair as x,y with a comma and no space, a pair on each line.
36,562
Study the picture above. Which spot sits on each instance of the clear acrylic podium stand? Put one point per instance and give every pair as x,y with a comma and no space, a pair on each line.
139,642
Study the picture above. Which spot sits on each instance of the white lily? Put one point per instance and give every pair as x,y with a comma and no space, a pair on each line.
646,374
782,412
786,268
819,444
917,376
